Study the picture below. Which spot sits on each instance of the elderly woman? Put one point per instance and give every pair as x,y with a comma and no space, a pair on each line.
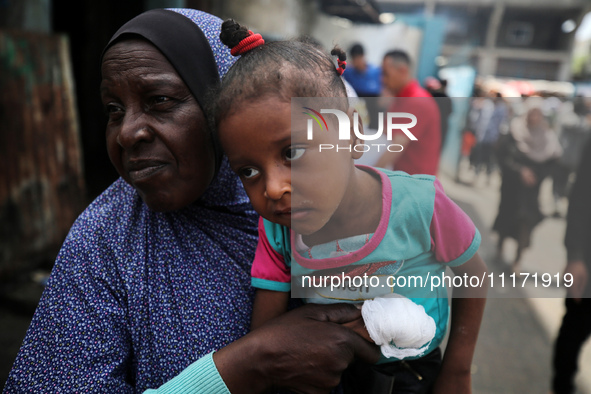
154,277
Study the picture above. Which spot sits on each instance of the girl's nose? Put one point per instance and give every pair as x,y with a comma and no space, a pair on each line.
278,183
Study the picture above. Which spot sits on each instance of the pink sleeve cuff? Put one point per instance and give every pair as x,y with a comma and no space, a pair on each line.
269,270
454,238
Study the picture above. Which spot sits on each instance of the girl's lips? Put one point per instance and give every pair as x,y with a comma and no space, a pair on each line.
299,214
292,213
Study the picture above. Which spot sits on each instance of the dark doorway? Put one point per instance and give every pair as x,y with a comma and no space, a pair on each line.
89,25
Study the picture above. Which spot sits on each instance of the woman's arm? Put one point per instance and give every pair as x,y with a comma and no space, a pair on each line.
304,350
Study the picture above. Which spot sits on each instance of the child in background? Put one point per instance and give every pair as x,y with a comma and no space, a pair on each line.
320,212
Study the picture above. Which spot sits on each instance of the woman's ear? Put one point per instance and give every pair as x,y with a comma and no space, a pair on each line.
355,140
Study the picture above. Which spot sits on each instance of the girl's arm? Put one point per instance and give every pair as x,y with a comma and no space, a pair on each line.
466,315
267,305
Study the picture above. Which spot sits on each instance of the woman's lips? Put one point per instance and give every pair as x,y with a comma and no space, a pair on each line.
141,169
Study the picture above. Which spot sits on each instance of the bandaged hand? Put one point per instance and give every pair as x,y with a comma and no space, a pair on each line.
399,326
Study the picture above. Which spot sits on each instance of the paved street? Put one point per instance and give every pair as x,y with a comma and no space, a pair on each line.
515,343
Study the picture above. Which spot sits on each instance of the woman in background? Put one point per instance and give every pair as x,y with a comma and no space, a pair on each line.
526,156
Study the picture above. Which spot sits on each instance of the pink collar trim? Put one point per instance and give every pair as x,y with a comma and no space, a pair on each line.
376,239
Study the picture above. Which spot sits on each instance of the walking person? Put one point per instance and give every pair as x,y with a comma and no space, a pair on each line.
576,323
488,135
526,156
419,156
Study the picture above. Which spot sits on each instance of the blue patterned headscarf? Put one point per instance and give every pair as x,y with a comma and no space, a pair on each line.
193,47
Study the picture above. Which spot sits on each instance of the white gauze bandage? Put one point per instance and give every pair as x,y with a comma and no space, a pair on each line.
401,327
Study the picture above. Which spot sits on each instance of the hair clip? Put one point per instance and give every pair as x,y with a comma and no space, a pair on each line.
342,66
248,43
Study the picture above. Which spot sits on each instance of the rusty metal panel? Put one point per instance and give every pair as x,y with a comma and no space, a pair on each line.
41,174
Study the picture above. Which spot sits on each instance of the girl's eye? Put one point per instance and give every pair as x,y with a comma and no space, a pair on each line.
294,153
248,173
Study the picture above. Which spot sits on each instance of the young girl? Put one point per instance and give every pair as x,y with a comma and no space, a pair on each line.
322,214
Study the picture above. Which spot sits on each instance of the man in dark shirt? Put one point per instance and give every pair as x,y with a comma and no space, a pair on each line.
576,324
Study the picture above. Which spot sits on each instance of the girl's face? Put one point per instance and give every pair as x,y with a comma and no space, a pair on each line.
287,179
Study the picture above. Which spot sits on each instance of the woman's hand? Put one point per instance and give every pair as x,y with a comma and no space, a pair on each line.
578,270
528,177
305,350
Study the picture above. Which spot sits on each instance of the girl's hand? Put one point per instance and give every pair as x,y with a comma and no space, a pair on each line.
358,325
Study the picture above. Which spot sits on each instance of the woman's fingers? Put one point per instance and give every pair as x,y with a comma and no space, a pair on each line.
314,347
345,314
334,313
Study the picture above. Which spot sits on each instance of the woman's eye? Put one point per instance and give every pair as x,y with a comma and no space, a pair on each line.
161,99
294,153
113,110
161,102
248,173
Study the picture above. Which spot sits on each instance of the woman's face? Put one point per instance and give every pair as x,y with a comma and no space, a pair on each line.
535,117
156,133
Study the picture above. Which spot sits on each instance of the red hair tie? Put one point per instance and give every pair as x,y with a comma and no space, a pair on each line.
248,43
342,66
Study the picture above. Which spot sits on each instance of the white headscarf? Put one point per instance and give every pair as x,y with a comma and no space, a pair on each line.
537,141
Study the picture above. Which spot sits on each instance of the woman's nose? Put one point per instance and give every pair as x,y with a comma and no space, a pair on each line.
278,183
134,129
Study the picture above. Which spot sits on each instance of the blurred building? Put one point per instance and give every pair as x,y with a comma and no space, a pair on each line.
582,60
505,38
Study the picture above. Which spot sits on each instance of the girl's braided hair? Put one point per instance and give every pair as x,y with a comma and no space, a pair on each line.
281,69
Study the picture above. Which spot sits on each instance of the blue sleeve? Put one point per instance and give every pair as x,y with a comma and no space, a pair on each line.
200,377
78,340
